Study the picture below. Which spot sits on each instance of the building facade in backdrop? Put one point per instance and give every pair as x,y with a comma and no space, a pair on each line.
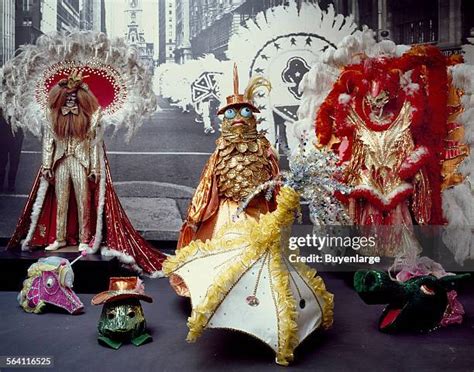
135,35
103,26
167,31
32,18
68,15
91,15
211,24
36,17
7,30
49,16
446,23
183,43
27,22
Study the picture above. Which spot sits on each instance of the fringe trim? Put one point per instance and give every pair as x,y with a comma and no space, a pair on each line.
34,271
23,300
319,288
219,290
254,238
286,308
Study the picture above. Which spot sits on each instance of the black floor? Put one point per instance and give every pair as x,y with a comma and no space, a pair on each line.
352,344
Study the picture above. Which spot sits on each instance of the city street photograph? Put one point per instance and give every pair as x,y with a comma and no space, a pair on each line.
246,185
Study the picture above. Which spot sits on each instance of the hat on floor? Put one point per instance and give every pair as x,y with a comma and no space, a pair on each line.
121,288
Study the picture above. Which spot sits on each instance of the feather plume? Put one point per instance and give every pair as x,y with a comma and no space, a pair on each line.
255,84
25,73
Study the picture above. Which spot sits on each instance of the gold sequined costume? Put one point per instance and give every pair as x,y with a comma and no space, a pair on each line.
72,160
243,160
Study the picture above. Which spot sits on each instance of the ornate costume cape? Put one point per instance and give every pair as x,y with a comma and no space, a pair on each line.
388,119
37,224
114,73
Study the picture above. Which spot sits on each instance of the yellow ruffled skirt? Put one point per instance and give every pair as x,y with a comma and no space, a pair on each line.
242,280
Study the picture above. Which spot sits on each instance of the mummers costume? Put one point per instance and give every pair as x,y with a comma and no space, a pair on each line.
70,153
243,160
72,91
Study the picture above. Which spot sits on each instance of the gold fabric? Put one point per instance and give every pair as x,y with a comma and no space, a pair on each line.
85,150
202,194
381,152
421,198
70,171
242,164
458,151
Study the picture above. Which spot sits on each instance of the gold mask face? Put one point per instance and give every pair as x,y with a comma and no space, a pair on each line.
239,120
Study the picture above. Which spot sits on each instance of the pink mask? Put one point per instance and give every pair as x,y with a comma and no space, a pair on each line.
50,282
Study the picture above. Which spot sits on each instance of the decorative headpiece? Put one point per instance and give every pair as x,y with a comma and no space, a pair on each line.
246,99
114,71
121,288
102,80
74,81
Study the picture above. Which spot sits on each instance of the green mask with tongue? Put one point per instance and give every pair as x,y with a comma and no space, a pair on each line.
418,304
122,321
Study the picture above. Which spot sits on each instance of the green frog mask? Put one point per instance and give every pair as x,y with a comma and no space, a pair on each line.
122,319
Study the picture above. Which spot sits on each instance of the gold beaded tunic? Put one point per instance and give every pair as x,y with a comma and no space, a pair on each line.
242,164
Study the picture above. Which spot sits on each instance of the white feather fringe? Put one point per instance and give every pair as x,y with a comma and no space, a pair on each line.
24,73
458,202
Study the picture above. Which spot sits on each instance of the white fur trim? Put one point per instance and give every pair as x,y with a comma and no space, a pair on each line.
385,199
100,206
414,158
129,262
35,213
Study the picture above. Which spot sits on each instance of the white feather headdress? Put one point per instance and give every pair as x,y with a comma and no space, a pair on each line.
28,75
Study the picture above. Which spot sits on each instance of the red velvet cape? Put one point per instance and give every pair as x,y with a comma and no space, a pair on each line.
118,234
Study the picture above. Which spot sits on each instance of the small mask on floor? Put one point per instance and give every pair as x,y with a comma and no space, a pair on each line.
122,319
49,282
422,303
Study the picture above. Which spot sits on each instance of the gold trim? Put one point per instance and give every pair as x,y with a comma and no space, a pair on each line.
255,239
